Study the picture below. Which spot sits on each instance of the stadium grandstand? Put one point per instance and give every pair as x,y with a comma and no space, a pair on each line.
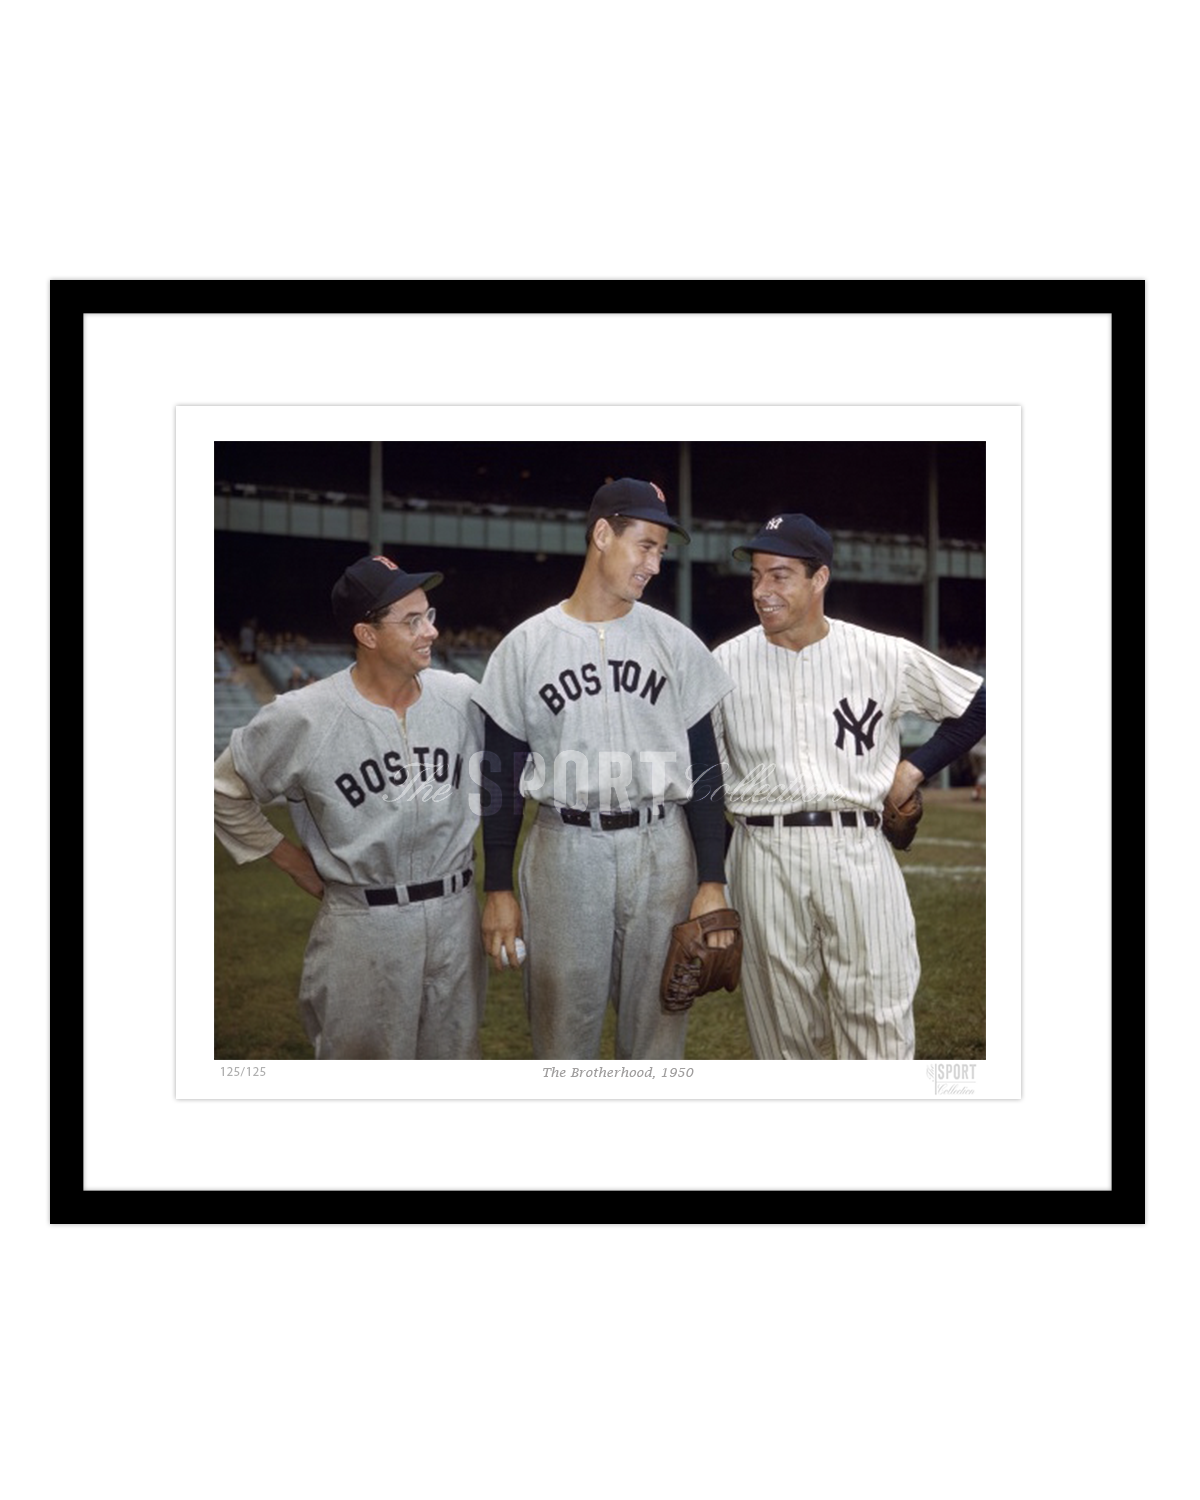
235,700
504,523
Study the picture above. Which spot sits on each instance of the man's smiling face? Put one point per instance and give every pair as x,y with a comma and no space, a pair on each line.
787,601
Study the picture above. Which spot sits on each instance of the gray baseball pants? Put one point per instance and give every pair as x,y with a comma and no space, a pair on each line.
398,981
598,907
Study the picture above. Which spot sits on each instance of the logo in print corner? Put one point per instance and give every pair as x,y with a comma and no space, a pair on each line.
951,1077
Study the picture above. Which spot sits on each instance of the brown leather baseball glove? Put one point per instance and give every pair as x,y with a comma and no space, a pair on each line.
900,823
693,968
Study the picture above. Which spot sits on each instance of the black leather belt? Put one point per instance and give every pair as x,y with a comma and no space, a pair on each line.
610,821
389,895
814,820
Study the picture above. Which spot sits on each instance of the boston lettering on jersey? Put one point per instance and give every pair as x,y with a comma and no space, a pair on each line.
864,733
627,676
429,764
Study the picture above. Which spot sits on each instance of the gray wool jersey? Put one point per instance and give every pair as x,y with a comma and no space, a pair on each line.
386,807
375,799
605,708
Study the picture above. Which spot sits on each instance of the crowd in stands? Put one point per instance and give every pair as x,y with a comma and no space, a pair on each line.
282,642
289,660
234,700
225,668
254,643
474,638
974,658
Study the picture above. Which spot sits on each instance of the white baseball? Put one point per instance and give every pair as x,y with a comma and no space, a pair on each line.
520,945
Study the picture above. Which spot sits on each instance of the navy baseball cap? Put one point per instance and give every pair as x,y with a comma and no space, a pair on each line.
790,536
373,583
639,499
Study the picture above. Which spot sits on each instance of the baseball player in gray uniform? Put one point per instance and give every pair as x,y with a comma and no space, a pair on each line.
810,747
376,765
599,709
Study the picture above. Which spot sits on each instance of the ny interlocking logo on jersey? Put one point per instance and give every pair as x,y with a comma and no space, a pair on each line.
864,733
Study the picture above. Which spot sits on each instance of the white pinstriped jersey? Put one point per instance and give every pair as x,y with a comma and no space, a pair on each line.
819,728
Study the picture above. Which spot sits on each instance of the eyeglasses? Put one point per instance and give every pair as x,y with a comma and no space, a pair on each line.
411,622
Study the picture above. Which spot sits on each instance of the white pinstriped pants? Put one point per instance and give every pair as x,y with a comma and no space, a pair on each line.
830,963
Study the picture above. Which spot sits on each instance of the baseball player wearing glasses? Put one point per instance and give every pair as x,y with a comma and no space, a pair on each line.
375,765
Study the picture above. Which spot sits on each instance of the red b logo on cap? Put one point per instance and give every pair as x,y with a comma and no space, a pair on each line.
658,492
387,562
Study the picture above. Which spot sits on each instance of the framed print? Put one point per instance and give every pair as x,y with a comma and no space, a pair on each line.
239,445
509,559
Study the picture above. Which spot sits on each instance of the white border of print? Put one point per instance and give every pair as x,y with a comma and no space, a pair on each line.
139,367
199,1077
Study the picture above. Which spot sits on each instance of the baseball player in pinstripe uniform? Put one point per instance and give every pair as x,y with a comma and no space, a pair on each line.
375,764
599,709
810,747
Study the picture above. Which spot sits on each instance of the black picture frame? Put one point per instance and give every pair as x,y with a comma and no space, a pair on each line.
1122,1202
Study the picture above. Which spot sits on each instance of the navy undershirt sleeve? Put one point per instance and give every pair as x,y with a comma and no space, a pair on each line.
501,804
706,811
952,738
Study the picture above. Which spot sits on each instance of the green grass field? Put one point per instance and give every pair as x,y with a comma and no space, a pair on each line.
262,923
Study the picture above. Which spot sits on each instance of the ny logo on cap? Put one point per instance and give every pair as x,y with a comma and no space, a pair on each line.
774,525
387,562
